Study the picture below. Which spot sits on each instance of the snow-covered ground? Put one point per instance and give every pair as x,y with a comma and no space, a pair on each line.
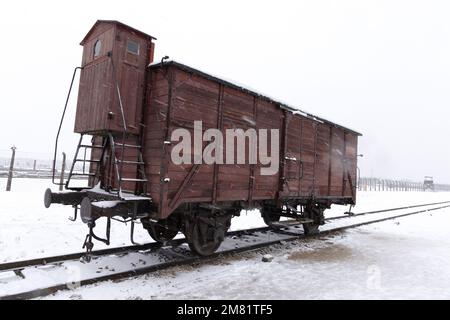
404,259
407,258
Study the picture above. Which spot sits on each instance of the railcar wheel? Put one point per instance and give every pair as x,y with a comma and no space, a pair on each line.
268,215
207,234
161,231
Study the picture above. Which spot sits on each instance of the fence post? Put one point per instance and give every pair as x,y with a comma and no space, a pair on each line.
63,168
11,169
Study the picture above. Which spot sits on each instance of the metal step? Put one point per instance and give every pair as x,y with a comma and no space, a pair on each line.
133,197
91,147
134,180
127,145
130,162
90,161
127,191
84,174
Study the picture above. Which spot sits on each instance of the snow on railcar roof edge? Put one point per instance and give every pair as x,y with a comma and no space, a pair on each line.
248,89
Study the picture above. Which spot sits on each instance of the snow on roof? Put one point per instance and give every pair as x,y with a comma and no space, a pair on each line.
248,89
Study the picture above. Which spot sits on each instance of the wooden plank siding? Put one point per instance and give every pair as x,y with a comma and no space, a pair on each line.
313,163
98,108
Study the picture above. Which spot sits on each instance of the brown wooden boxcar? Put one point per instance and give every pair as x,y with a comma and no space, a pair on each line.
131,109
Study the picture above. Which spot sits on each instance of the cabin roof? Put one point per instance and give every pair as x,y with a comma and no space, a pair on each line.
115,22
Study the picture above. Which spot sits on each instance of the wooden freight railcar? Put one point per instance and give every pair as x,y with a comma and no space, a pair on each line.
139,114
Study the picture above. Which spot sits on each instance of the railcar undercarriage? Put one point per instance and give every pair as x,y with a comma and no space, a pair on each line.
204,225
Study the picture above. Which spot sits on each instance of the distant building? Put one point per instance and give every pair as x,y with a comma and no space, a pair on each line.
428,184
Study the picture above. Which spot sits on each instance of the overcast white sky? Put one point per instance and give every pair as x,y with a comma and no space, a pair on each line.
380,67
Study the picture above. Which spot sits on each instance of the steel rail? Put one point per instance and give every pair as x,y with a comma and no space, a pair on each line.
18,265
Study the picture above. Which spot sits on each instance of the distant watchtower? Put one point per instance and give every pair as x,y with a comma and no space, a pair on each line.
428,184
112,80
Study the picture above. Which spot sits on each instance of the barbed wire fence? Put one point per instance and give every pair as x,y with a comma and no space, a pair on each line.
376,184
28,161
15,163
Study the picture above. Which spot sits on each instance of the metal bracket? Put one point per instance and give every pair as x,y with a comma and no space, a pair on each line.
132,226
75,216
132,235
349,212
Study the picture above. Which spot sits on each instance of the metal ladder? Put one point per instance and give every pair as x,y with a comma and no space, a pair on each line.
90,173
117,148
140,178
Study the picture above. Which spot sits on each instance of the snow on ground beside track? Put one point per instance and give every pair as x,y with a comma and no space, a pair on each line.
28,230
406,258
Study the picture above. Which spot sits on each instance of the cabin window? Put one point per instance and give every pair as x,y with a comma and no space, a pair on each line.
133,47
97,48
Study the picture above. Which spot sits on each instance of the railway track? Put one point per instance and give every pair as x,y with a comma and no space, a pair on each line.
385,210
40,277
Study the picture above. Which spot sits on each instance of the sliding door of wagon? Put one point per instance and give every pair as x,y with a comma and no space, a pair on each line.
308,154
193,99
268,116
292,167
238,113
